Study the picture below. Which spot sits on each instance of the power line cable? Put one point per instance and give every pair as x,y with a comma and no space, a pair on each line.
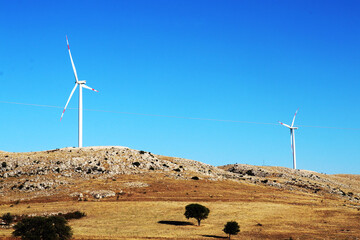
179,117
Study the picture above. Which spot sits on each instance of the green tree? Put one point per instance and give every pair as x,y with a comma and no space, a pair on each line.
197,211
43,228
231,228
8,218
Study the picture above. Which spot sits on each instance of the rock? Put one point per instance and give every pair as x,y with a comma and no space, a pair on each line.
81,197
98,194
135,184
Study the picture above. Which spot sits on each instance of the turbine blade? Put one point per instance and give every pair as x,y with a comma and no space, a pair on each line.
89,88
294,118
72,92
72,62
284,124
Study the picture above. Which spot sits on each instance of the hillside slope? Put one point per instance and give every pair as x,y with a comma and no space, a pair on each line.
341,185
139,191
62,173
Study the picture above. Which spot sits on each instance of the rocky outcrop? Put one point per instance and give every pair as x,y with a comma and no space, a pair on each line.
44,173
108,162
291,179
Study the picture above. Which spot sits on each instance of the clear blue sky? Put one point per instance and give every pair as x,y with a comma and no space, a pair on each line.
236,60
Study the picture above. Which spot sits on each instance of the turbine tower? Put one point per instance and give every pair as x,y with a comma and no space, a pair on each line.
81,85
292,138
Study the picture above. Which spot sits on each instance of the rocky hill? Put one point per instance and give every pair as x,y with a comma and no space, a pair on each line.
345,186
103,172
32,175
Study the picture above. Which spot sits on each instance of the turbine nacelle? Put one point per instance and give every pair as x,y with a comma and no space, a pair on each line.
81,82
288,126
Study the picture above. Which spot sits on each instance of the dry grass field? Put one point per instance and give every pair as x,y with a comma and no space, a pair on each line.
139,220
154,208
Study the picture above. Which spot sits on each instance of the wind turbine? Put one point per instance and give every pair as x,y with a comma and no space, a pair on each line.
292,137
81,85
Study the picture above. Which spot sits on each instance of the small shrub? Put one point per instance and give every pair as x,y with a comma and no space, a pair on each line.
250,173
197,211
231,228
8,218
44,228
141,152
73,215
177,170
136,164
4,164
195,178
151,168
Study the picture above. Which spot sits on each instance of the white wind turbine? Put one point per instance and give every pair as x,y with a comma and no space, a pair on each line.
292,137
81,85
